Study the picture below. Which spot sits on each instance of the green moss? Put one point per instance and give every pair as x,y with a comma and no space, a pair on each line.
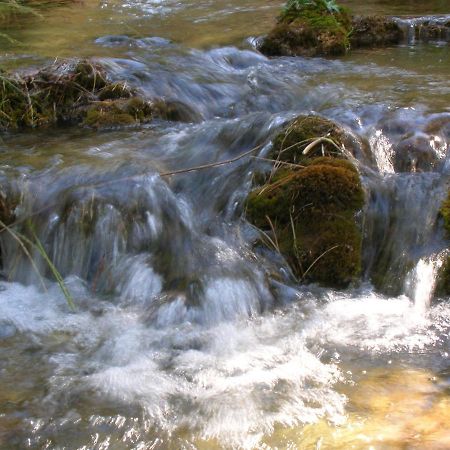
443,281
114,113
114,91
107,115
89,75
138,108
329,253
325,187
312,212
445,214
289,144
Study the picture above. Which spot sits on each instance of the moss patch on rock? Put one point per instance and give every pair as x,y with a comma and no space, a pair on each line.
310,215
116,113
289,145
116,90
309,28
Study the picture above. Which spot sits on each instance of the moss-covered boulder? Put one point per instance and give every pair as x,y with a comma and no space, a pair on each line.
310,215
309,28
322,28
308,212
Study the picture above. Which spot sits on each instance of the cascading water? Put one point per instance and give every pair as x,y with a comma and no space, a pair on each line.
182,336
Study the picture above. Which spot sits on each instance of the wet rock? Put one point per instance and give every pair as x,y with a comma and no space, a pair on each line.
430,30
374,31
415,154
439,125
309,30
309,212
175,111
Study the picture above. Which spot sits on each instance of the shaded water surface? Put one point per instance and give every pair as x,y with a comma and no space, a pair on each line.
182,336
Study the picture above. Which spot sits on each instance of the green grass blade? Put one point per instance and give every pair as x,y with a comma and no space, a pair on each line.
54,270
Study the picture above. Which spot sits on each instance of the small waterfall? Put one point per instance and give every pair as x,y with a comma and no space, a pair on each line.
420,283
404,195
171,245
401,225
425,28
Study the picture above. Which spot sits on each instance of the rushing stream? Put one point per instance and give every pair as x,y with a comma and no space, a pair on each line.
183,337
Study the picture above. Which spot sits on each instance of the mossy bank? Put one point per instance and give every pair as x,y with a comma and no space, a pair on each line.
309,28
75,92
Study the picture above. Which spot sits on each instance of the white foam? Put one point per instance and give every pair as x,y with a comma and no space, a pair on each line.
231,378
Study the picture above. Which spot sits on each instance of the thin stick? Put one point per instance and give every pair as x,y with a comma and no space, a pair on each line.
299,166
163,174
207,166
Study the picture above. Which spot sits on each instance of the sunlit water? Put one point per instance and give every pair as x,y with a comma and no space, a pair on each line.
182,336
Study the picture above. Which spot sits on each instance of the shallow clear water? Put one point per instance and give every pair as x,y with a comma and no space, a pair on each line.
183,337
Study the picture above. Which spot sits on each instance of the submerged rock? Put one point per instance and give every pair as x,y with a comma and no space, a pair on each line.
309,213
415,154
74,92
